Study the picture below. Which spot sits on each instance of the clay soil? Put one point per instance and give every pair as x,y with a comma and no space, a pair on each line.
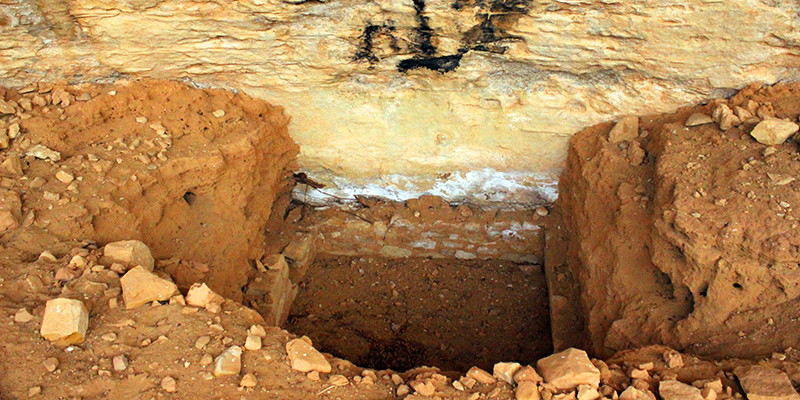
404,313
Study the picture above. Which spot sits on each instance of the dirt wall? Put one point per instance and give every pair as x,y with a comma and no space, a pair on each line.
684,236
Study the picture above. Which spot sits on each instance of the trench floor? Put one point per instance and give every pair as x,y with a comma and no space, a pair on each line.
405,313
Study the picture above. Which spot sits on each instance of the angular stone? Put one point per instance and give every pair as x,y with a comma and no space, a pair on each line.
527,373
130,253
229,362
43,153
728,121
304,357
527,390
632,393
169,385
586,392
569,369
200,295
257,330
50,364
248,380
120,363
22,316
774,131
424,388
65,321
302,251
698,119
140,286
673,359
674,390
481,376
626,129
505,371
275,262
252,343
764,383
273,294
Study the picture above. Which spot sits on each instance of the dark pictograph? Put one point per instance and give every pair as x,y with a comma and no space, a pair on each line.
489,34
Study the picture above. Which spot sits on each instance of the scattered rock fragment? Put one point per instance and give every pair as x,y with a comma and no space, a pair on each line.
673,359
305,358
698,119
252,343
248,380
527,390
43,153
120,363
200,295
481,376
674,390
140,286
569,369
65,321
338,380
505,371
275,262
764,383
129,252
50,364
257,330
632,393
424,388
229,362
22,316
34,391
626,129
64,177
527,373
219,113
202,342
6,108
403,390
169,385
774,131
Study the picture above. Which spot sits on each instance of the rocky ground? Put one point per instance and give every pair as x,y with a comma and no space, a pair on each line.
89,320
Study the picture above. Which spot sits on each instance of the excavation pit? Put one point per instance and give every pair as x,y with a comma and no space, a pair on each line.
403,313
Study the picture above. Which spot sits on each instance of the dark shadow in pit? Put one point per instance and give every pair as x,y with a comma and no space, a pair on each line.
404,313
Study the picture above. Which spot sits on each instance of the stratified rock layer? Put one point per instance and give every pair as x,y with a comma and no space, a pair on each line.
387,97
683,236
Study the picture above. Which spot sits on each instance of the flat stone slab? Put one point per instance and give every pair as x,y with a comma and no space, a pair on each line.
763,383
569,369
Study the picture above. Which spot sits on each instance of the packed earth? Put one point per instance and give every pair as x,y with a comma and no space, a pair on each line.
148,252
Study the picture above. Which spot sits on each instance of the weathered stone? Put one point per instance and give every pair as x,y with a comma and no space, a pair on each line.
505,371
527,390
200,295
248,380
202,342
22,316
43,153
425,388
626,129
169,385
673,359
229,362
301,250
65,321
50,364
527,373
674,390
130,253
338,380
120,363
275,262
305,358
569,369
481,376
764,383
6,108
257,330
394,252
252,343
698,119
728,121
273,293
140,286
586,392
632,393
774,131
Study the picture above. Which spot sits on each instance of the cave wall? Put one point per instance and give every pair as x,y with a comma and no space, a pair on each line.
468,99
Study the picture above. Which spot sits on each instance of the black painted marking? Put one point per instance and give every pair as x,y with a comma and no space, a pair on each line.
442,64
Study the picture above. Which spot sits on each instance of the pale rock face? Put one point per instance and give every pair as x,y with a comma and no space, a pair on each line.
505,371
140,286
774,131
130,252
200,295
65,321
380,107
674,390
305,358
229,362
764,383
569,369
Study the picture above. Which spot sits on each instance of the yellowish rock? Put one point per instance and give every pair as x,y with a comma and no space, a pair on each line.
569,369
229,362
200,295
252,343
65,321
774,131
698,119
481,376
764,383
527,390
248,380
304,357
674,390
140,286
505,371
625,130
129,252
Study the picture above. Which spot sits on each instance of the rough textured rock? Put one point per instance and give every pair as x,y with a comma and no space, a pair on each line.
569,369
65,321
430,78
229,362
200,295
129,252
305,358
693,248
674,390
774,131
140,286
764,383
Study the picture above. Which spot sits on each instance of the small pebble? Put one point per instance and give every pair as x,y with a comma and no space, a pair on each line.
50,364
169,385
313,375
253,343
202,342
248,380
542,211
22,316
338,380
34,391
120,363
206,359
219,113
